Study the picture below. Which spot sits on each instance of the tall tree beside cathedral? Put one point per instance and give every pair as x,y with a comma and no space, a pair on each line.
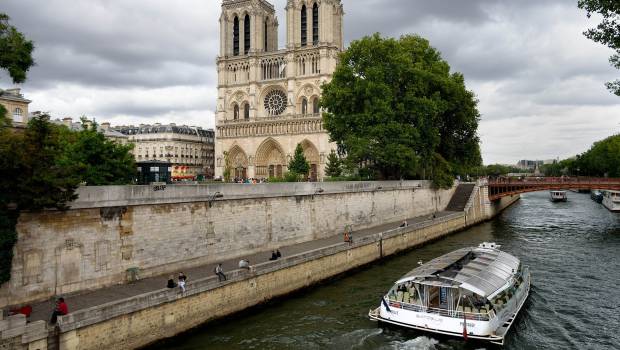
607,32
396,110
299,165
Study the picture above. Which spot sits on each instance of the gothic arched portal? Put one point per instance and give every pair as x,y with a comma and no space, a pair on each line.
270,160
238,162
312,156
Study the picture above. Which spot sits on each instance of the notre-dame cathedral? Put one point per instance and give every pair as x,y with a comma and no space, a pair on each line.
267,97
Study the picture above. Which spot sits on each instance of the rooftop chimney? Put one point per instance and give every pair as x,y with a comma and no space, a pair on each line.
67,121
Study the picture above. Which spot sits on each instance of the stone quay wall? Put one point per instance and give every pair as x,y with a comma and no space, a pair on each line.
138,321
157,230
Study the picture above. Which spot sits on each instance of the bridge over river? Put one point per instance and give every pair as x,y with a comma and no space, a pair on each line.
503,187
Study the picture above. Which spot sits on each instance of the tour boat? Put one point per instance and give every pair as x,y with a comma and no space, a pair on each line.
473,293
558,196
611,200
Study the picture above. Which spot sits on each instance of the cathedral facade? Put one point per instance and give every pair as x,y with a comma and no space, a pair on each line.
268,98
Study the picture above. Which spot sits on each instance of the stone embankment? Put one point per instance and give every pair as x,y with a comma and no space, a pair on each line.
137,320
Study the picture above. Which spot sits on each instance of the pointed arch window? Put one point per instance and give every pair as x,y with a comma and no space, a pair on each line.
236,36
304,106
304,26
246,111
315,24
246,34
236,112
315,106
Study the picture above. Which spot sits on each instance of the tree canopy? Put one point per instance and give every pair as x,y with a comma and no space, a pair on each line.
396,111
15,51
607,32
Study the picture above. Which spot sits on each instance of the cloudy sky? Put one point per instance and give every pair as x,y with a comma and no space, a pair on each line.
539,80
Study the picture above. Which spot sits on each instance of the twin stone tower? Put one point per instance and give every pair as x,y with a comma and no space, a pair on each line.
268,97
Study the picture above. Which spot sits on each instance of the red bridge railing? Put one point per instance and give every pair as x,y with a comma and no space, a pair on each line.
502,187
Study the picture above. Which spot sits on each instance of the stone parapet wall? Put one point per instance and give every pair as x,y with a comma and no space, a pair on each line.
112,229
16,334
138,321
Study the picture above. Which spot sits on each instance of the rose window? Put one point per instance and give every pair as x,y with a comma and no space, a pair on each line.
275,102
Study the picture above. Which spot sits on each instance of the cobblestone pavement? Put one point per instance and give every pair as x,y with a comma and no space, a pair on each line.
42,310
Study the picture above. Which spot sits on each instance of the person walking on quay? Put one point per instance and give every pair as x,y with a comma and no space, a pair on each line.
60,310
404,224
182,280
278,254
220,273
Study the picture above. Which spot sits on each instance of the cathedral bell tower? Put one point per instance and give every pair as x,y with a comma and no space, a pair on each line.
247,26
314,23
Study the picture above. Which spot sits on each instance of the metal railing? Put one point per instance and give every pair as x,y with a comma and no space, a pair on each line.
442,312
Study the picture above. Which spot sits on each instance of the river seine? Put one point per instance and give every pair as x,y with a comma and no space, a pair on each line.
573,250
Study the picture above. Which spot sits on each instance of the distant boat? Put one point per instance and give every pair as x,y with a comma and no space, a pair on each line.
597,196
558,196
611,200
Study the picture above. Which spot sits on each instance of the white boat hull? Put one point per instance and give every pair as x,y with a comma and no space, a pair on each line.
611,204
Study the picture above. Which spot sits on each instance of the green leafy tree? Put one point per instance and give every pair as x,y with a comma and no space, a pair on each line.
16,59
395,110
334,165
299,165
101,161
602,159
15,51
33,179
607,32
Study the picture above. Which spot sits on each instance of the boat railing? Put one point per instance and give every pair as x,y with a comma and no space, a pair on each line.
483,316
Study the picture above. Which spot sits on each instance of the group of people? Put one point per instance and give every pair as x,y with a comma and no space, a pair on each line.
181,281
275,255
249,181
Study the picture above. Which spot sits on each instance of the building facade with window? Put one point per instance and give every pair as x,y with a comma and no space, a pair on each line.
189,150
16,106
268,99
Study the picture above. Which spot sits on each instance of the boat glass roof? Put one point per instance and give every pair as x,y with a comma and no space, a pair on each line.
480,270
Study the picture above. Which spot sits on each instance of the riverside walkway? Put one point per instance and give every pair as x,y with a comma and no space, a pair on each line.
84,300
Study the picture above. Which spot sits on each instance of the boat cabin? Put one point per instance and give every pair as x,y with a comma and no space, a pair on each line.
472,283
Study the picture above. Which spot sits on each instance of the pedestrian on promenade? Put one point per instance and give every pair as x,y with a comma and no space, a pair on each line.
278,254
274,255
171,283
220,273
182,280
244,264
60,310
404,224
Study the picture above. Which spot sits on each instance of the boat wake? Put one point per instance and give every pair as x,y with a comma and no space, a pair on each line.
419,343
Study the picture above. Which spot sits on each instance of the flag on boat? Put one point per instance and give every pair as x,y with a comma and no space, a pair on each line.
464,326
387,307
